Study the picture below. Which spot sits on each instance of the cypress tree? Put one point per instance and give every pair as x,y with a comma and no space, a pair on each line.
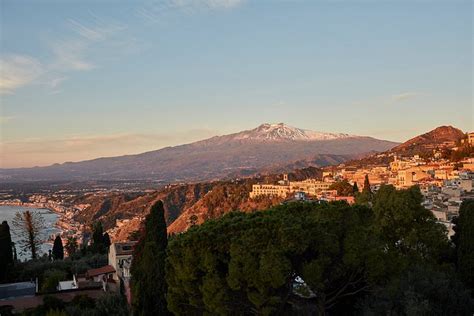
355,188
106,241
6,253
97,234
58,249
366,188
148,266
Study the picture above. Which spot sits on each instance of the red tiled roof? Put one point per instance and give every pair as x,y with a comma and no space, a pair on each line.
99,271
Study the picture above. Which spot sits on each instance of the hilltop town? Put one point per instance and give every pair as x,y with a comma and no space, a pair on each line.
445,182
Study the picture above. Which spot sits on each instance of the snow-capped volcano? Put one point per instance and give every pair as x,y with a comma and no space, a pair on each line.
244,152
281,131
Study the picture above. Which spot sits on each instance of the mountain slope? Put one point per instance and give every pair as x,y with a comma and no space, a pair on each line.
214,158
430,140
441,137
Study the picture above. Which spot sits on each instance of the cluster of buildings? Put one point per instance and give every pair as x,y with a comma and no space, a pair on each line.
114,277
285,188
444,183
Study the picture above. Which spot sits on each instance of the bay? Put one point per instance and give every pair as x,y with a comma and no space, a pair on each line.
7,213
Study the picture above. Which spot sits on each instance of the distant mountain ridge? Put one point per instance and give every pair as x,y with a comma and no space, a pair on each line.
213,158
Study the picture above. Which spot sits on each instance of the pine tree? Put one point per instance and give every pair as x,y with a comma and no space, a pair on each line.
148,266
6,253
58,249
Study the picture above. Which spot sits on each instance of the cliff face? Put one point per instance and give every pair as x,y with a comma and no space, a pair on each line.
109,207
185,204
223,198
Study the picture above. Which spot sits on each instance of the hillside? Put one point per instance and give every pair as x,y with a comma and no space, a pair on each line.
441,138
212,159
181,202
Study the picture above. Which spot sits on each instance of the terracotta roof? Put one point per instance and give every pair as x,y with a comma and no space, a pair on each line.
99,271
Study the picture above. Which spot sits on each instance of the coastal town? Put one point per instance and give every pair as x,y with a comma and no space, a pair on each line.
444,183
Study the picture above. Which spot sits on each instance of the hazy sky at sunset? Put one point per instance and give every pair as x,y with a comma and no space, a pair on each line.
83,79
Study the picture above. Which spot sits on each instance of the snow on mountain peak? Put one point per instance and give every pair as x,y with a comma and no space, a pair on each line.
281,131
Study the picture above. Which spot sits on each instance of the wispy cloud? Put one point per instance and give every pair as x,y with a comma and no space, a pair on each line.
17,71
69,54
212,4
406,96
153,11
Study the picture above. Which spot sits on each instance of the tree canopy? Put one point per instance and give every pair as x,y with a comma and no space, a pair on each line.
248,263
464,242
346,256
344,188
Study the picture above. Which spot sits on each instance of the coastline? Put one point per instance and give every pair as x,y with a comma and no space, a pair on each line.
63,223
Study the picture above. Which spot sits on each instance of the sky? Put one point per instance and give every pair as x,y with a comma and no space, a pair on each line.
87,79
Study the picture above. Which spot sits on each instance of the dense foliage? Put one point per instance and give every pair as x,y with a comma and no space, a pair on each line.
464,242
348,257
344,188
108,304
100,240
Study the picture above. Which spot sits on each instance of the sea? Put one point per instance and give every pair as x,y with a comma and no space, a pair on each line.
7,213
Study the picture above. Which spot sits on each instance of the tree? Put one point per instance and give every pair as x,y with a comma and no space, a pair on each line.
343,188
463,240
29,227
51,280
106,241
100,240
6,250
366,196
367,188
148,284
409,231
111,304
247,263
97,233
420,290
71,245
58,250
355,189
